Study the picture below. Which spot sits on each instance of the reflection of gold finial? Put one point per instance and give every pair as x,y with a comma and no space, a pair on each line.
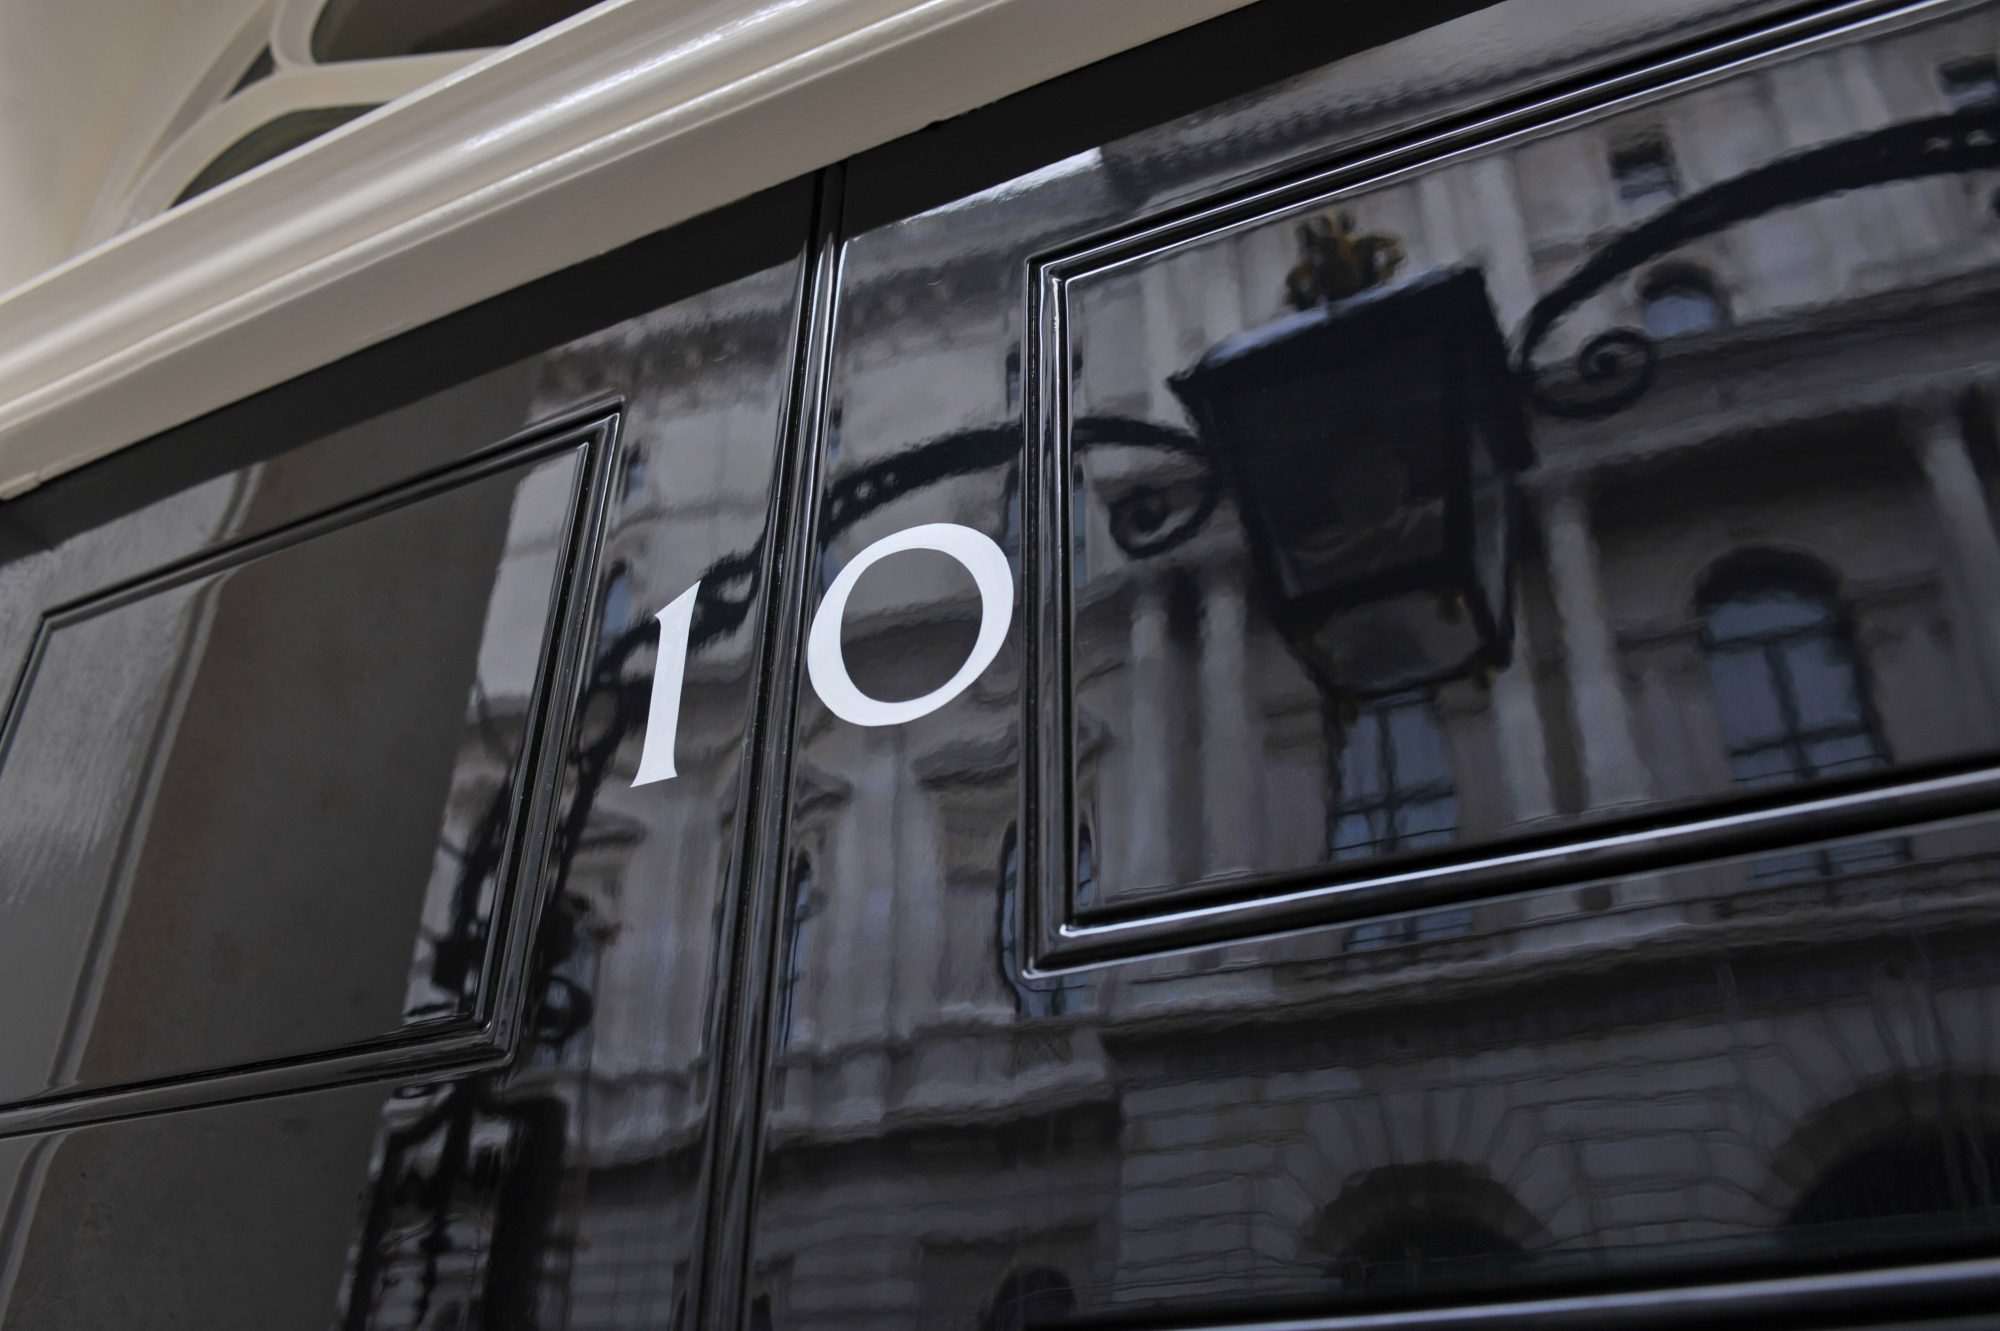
1335,262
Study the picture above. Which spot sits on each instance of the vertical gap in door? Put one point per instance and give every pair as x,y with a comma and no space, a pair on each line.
744,977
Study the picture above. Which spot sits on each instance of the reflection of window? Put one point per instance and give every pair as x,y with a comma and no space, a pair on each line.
1395,780
1787,688
633,483
1970,83
1400,1225
798,943
617,611
273,138
1680,303
1425,928
1644,174
1789,694
1013,380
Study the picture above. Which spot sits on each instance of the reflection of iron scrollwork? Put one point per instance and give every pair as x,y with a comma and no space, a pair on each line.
427,1162
1614,368
1143,524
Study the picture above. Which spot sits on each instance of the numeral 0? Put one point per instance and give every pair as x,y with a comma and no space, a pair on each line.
825,666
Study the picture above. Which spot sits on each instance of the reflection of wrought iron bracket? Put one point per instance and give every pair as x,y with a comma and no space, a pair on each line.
1615,367
731,584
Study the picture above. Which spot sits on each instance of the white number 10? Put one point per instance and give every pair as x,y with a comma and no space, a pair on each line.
825,666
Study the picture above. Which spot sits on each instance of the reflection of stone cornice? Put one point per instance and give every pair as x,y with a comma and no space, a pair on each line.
1661,976
814,788
975,759
1043,1093
612,1136
1680,939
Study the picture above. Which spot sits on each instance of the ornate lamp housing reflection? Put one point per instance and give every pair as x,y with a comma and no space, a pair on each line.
1372,443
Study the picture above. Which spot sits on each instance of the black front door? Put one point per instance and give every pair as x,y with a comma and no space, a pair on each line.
1346,668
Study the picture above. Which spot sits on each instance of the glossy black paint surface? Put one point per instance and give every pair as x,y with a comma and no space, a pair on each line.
385,666
229,828
1447,833
1350,607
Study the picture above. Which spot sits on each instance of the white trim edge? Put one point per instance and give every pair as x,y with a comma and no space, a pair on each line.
629,118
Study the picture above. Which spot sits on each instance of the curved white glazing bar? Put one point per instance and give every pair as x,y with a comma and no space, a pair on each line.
628,118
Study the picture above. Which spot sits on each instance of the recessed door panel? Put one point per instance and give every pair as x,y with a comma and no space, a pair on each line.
234,796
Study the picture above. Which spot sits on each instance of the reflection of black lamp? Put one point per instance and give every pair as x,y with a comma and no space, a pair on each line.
1372,444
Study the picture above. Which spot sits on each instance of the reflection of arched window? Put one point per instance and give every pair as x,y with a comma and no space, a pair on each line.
1395,780
799,929
1788,690
1038,1296
1896,1149
1919,1173
1680,302
1789,693
1403,1224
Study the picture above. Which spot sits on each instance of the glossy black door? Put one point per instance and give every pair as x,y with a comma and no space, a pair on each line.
1346,665
1505,616
322,769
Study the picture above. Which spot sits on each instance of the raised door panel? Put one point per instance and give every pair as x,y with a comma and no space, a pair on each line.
1469,797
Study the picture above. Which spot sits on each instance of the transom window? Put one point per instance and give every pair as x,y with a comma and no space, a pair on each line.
380,29
300,69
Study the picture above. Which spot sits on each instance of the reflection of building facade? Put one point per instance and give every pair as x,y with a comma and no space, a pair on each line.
1675,643
1775,565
